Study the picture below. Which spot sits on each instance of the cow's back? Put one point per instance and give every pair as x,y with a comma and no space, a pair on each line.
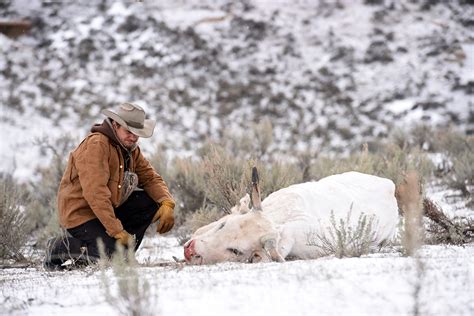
313,203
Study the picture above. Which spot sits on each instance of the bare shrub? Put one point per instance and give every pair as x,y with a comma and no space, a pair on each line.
263,137
425,137
201,217
188,184
272,176
13,231
444,230
161,163
323,167
451,141
458,150
421,136
304,161
397,161
228,178
462,176
218,180
212,181
41,213
254,143
125,289
391,162
343,239
224,178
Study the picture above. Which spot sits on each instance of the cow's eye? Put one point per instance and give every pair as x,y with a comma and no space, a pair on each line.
221,225
236,252
255,258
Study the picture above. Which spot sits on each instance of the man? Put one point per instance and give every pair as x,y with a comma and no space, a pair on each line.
109,191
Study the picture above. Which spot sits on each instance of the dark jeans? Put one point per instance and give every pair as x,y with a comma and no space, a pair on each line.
135,214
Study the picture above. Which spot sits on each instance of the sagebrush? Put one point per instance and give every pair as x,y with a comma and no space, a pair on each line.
13,232
41,212
343,239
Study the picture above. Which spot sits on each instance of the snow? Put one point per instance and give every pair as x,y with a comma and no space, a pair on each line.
184,18
375,284
467,73
400,106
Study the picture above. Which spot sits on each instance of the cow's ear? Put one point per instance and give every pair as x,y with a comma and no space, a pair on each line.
256,257
269,244
244,204
259,256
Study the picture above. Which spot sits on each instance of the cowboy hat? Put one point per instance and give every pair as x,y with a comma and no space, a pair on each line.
131,117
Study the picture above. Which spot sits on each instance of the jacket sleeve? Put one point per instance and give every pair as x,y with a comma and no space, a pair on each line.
94,175
150,180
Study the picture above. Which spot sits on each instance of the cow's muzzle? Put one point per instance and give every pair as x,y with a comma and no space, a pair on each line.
190,253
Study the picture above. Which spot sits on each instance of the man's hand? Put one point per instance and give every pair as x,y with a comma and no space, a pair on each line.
125,238
165,215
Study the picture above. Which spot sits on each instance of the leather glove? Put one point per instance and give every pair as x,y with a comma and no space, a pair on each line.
165,215
124,238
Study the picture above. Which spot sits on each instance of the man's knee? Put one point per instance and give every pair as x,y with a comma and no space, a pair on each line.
92,234
65,252
138,210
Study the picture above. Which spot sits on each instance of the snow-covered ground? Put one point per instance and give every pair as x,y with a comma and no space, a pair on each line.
377,284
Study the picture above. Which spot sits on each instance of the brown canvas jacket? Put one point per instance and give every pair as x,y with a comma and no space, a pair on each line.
91,185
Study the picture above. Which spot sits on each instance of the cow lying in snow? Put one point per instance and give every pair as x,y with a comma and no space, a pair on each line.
279,226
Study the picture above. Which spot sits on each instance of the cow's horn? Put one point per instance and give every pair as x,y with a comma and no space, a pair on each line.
269,245
256,199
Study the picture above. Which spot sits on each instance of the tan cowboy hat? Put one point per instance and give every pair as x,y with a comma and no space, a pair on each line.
132,117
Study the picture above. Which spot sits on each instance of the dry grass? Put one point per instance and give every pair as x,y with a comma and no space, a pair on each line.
391,161
13,232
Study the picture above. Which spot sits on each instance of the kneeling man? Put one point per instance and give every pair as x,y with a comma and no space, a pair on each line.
109,191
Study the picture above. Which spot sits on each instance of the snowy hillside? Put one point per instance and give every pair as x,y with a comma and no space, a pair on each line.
327,74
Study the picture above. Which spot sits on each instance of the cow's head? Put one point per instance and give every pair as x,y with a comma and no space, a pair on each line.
243,236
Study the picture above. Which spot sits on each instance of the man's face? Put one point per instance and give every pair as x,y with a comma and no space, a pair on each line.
127,138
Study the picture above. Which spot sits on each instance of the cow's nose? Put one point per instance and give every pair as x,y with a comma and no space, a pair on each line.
189,251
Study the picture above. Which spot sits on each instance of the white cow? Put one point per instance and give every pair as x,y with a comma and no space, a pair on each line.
279,227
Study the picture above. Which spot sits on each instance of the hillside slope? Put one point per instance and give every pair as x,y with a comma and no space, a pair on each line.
328,75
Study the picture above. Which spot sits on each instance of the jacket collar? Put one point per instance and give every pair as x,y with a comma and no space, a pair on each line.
106,128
